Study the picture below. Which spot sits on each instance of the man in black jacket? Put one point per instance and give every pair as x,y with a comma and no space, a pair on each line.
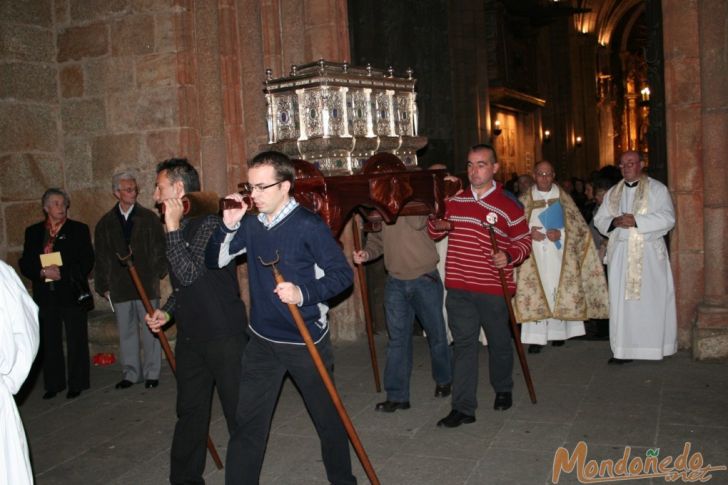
129,226
56,291
211,321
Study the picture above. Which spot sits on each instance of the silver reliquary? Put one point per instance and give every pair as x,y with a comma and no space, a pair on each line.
336,116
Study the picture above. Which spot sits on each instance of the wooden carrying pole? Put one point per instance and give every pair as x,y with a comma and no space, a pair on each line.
162,339
512,318
361,273
321,368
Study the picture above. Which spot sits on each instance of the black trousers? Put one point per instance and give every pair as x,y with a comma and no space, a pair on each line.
264,366
53,320
200,366
467,312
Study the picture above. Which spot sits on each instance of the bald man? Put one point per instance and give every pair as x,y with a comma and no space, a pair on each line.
562,283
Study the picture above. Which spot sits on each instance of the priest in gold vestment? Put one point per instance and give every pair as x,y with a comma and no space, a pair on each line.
562,283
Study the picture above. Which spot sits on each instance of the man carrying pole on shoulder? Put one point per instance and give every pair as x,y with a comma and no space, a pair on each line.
316,270
475,295
210,318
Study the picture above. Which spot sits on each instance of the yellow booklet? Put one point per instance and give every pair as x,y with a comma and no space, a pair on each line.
50,259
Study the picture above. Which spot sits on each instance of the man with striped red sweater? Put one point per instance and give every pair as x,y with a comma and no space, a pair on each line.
475,296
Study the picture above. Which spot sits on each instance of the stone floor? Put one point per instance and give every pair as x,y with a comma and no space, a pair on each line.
110,436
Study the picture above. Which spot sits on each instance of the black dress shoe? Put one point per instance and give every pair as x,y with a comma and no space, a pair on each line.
455,419
124,384
503,401
615,360
73,394
443,390
49,395
151,383
534,349
391,406
557,343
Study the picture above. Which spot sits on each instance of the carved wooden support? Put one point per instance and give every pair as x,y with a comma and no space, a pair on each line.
384,186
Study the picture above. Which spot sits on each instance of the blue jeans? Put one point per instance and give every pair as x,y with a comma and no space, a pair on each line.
403,299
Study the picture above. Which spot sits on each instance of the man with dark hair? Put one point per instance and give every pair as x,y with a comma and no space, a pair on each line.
180,170
210,318
475,295
130,227
315,270
55,290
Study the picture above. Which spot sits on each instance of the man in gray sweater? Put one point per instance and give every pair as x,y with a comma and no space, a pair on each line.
413,288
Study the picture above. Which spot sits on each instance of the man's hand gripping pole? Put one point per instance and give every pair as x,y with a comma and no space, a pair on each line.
129,263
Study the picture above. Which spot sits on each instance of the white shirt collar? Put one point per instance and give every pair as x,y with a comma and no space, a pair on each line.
485,194
287,209
126,214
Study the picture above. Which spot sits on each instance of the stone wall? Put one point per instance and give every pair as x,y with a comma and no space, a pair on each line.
88,88
697,121
31,147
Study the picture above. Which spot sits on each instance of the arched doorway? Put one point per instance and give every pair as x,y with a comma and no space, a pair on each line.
630,81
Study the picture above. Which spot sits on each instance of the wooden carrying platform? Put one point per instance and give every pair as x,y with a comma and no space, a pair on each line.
383,190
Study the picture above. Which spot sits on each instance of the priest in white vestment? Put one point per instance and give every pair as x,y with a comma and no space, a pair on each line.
636,214
562,283
18,347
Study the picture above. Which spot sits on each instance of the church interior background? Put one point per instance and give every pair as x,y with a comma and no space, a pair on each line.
89,88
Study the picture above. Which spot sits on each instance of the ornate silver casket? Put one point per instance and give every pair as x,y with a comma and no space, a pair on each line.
337,116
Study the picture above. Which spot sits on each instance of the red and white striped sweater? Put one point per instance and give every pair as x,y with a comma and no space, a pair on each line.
469,265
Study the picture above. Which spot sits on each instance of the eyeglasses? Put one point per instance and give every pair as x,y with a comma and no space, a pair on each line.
545,174
129,190
259,187
629,164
